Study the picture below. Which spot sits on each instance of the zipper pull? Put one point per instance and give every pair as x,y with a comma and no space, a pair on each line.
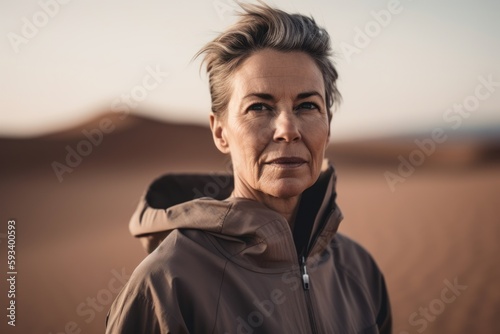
305,275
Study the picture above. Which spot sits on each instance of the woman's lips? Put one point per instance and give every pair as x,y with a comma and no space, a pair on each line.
287,162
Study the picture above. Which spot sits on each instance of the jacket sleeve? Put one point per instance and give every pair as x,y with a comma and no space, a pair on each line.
384,318
139,309
132,314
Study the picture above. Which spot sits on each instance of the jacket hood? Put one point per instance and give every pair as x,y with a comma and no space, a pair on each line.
171,203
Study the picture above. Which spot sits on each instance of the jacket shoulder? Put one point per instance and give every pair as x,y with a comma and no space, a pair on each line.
353,257
162,292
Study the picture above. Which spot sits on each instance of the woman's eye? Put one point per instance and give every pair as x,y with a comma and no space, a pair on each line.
258,107
308,106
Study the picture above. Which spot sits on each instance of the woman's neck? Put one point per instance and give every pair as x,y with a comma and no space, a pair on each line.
287,207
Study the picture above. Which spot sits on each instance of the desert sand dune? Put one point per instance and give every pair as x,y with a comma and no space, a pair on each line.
438,228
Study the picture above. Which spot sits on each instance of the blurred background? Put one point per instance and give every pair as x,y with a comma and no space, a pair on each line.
100,98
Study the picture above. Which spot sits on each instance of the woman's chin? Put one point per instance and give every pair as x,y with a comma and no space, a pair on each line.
286,188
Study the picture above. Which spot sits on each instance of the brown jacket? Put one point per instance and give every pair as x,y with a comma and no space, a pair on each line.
234,266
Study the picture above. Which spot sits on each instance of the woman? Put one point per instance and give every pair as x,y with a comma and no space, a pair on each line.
266,259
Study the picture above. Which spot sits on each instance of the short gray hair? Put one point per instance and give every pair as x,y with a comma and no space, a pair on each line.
261,27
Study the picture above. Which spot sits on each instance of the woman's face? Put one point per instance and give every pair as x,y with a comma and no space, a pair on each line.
276,126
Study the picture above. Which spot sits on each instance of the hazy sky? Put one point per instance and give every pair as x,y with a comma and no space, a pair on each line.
402,66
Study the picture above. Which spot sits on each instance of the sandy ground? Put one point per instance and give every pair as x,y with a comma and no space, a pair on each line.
74,252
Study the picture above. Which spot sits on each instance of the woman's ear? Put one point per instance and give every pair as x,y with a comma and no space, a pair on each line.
217,126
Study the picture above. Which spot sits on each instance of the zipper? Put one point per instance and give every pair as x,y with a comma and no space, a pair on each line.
306,283
309,304
305,275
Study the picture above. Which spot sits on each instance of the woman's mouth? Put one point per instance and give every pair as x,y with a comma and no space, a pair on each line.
287,162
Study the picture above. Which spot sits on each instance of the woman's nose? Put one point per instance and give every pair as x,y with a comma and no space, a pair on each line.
287,128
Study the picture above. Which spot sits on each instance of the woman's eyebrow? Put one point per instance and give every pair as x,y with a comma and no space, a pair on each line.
269,97
305,95
263,96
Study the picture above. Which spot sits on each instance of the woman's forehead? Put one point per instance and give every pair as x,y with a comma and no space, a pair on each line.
270,71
